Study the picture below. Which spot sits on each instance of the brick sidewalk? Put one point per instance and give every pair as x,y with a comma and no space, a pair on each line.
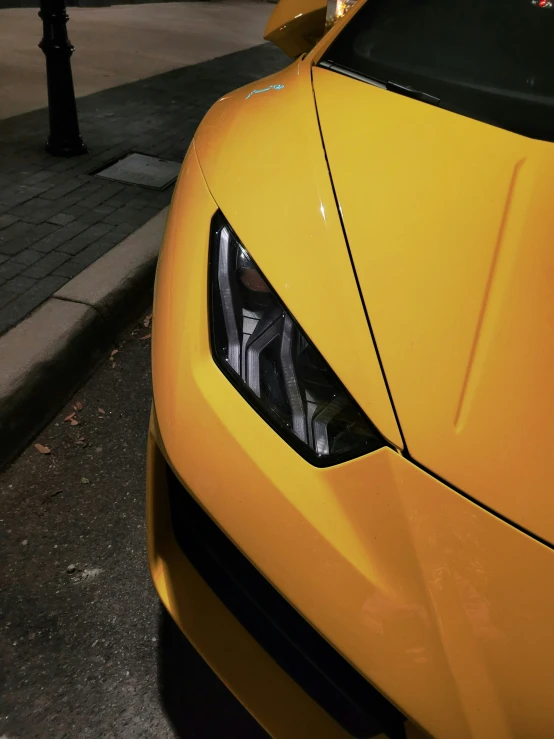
56,218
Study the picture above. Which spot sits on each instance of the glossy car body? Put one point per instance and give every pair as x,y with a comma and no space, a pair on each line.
438,593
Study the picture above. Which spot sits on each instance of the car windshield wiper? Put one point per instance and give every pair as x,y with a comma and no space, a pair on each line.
389,85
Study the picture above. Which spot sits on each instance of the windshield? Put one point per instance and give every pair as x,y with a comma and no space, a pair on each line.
486,59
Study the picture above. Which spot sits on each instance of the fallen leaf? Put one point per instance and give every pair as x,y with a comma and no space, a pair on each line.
42,449
101,410
114,352
74,422
85,480
147,320
142,338
78,406
70,417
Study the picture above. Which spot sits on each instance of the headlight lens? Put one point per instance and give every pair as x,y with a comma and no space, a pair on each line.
269,359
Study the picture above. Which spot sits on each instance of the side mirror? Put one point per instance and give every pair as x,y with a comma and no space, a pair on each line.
295,26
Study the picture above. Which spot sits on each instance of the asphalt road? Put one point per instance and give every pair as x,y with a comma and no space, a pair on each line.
85,649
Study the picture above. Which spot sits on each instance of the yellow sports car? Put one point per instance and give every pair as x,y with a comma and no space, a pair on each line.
351,449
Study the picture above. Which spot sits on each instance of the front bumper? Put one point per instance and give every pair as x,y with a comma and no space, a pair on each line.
237,620
442,606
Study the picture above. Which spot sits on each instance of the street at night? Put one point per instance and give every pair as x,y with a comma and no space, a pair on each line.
276,351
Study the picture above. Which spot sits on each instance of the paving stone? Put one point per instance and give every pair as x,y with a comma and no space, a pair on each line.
30,207
61,166
38,210
131,215
138,202
61,219
104,193
162,199
6,220
10,238
18,285
16,195
76,210
60,236
10,269
27,257
85,238
6,297
46,265
95,215
122,231
123,198
18,308
97,249
71,269
115,152
16,228
79,196
29,171
64,189
35,234
39,176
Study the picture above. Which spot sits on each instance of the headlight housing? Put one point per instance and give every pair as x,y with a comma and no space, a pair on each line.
269,359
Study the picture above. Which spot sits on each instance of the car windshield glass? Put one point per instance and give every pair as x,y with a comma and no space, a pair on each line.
486,59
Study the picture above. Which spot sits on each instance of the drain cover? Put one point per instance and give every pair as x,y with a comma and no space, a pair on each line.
141,169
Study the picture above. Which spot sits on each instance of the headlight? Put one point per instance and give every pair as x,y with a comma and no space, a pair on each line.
336,9
272,363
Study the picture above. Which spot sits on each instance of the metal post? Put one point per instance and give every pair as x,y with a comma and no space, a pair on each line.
64,139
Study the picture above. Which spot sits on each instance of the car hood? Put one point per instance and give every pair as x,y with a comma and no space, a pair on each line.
451,229
262,157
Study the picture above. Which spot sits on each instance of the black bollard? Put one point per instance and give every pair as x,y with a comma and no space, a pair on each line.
64,139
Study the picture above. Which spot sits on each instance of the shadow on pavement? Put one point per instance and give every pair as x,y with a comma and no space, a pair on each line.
194,699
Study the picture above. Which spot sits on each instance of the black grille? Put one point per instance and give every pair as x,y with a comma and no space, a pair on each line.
298,649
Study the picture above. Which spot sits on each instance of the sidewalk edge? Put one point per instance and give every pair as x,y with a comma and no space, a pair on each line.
48,356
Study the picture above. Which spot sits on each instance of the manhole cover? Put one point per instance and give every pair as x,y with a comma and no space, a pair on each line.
141,169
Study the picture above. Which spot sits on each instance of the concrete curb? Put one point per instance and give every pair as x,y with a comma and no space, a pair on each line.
46,358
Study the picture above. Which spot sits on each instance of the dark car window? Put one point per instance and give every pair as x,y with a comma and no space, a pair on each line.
486,59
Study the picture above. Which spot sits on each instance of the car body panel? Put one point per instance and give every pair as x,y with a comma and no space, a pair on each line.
249,672
295,26
273,187
451,228
440,604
